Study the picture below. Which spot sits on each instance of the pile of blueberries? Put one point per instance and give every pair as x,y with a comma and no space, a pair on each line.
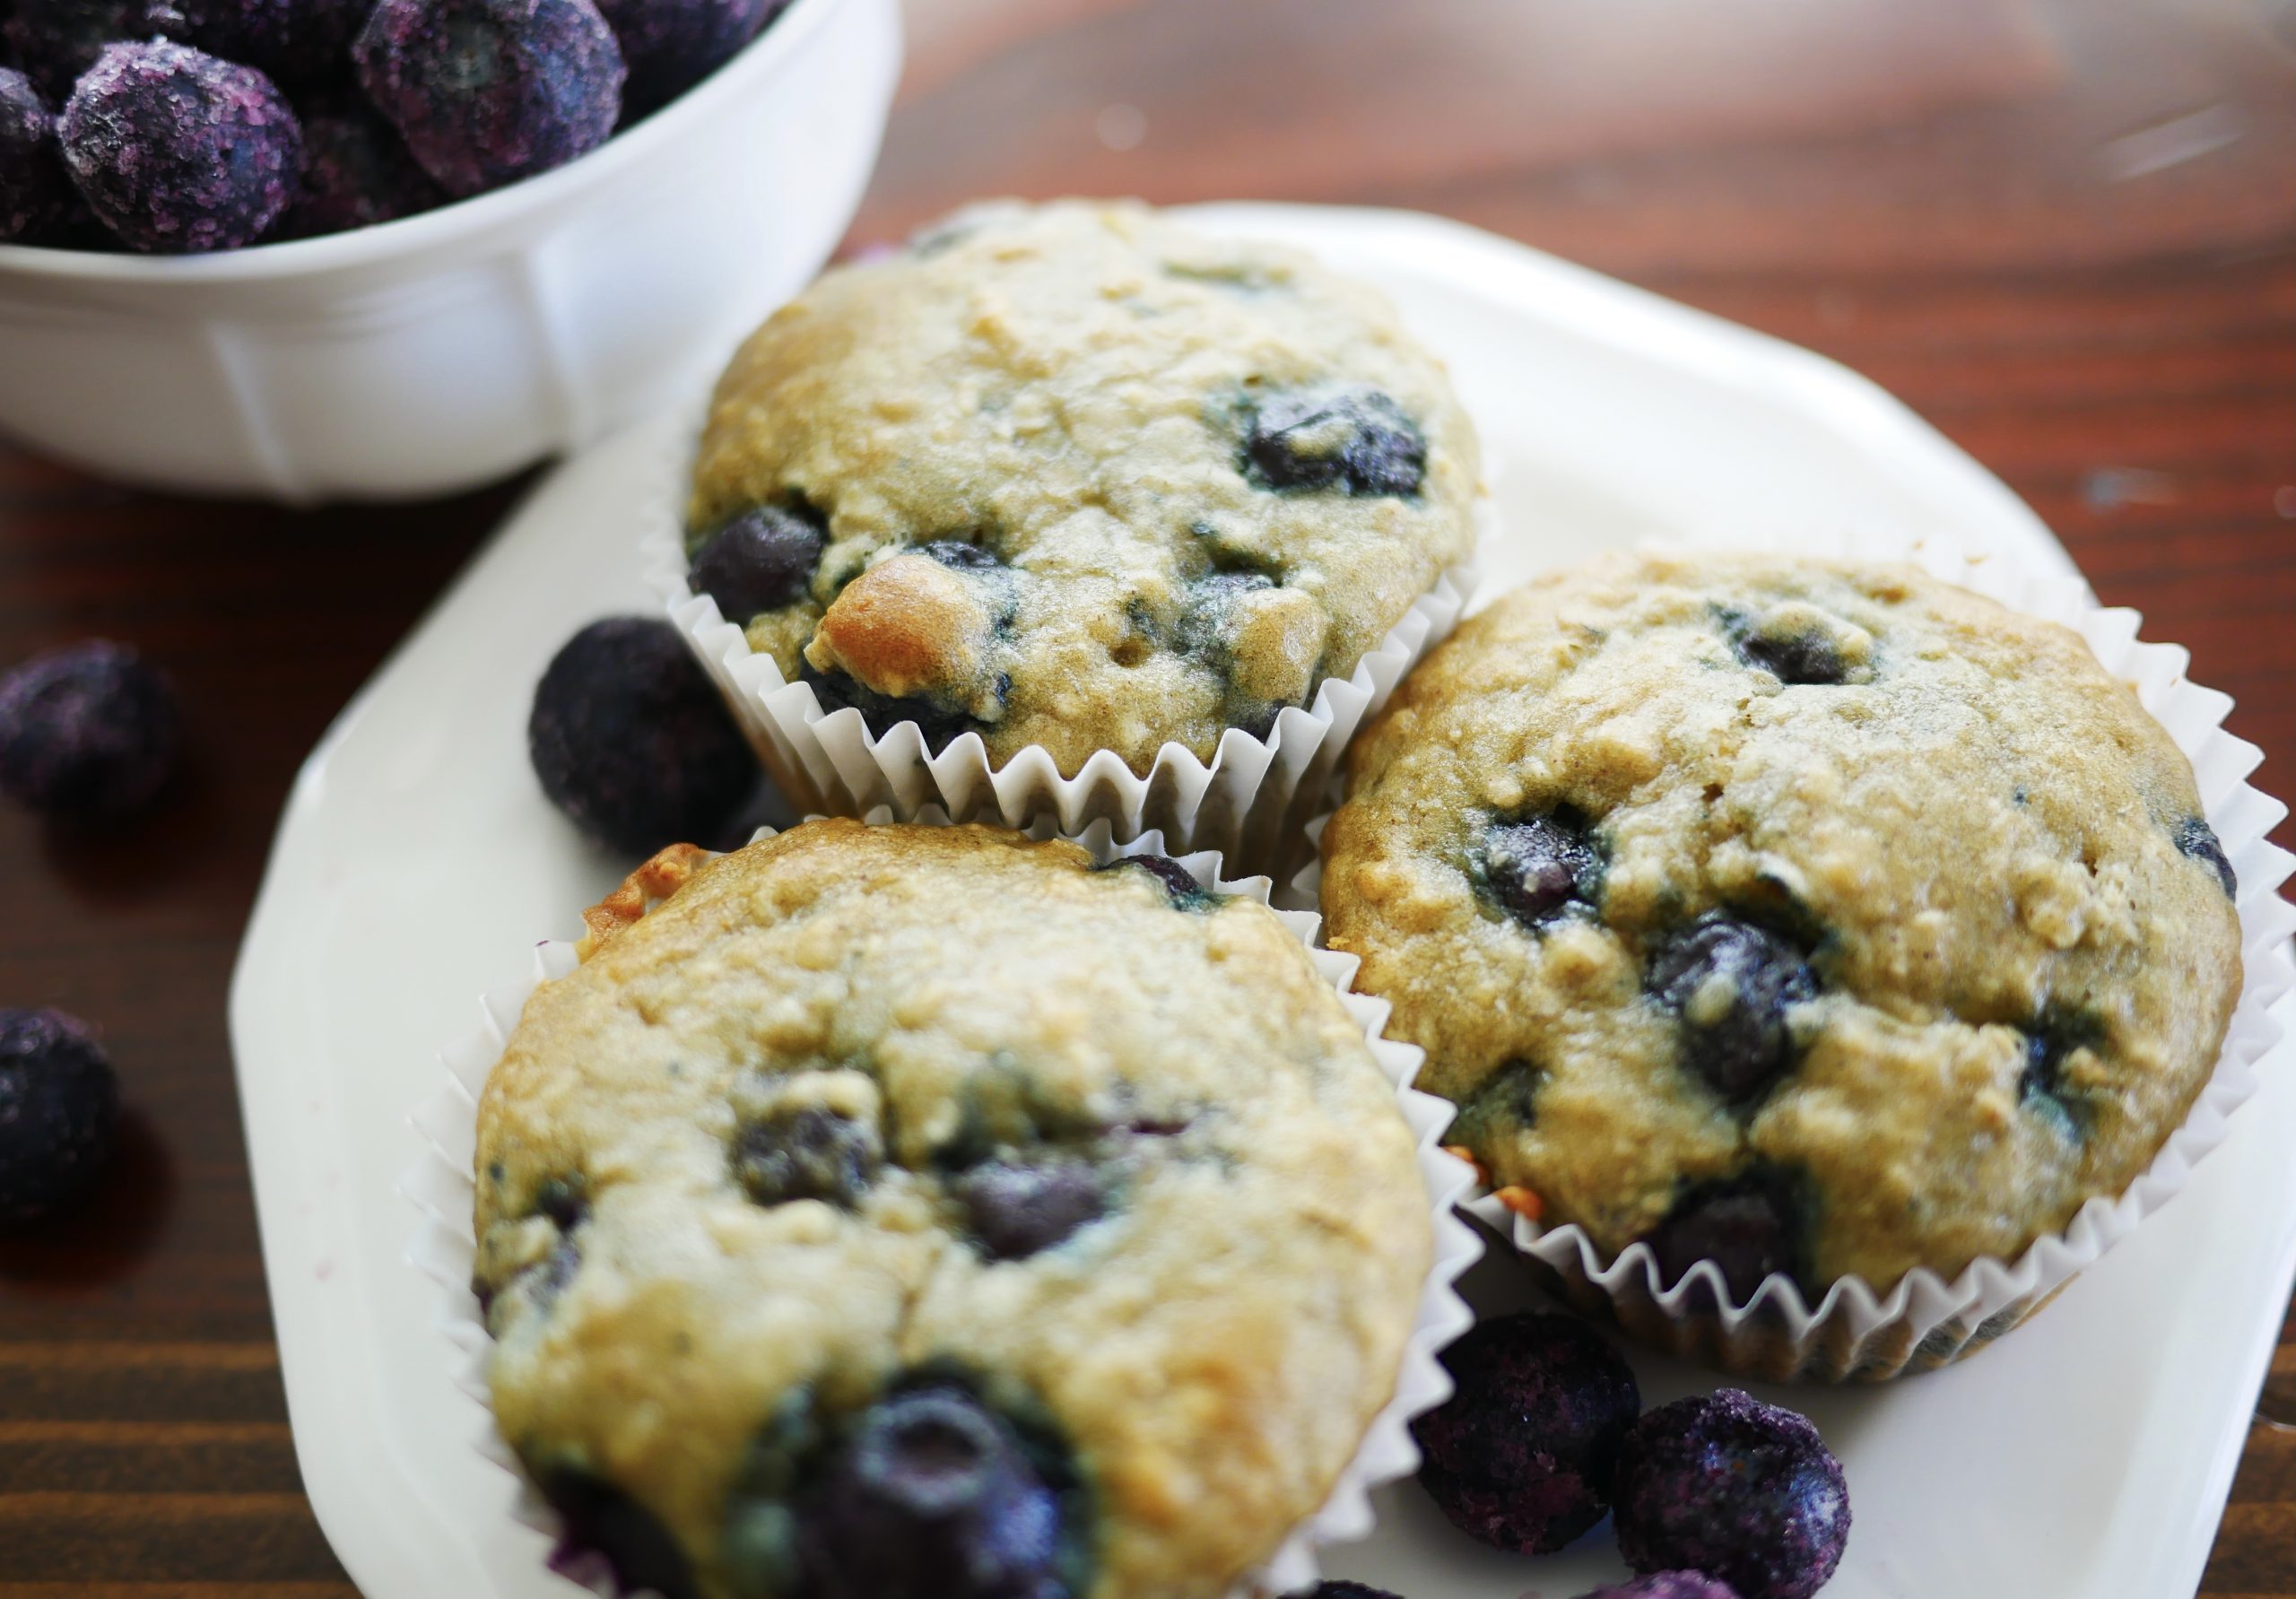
1716,1496
175,126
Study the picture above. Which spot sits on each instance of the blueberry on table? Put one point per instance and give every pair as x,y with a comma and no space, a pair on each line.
56,40
295,42
1667,1585
1340,436
58,1103
1744,1491
36,195
1520,1456
357,172
672,45
932,1497
180,152
90,729
630,740
759,561
488,92
1730,985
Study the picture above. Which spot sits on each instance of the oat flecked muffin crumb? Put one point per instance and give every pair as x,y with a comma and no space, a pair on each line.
1804,918
1075,476
868,1170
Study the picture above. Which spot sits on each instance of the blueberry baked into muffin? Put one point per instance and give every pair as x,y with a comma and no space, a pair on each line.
1822,919
900,1211
1075,476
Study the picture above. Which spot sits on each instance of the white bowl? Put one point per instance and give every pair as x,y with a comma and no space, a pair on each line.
442,350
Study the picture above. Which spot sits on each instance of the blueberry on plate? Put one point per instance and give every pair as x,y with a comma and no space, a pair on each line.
36,195
932,1497
630,740
1741,1490
180,152
58,1103
90,729
488,92
1520,1456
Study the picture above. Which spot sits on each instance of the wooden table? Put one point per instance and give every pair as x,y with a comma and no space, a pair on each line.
2065,231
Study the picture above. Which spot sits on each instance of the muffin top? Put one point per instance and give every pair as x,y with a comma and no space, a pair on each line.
1805,917
889,1204
1073,476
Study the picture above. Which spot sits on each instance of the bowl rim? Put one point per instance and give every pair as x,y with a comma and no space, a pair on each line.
783,36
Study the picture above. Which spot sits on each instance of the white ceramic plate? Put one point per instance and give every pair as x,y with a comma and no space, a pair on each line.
2085,1458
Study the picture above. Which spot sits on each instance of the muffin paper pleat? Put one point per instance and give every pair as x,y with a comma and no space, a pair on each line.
1856,1332
441,1186
1251,799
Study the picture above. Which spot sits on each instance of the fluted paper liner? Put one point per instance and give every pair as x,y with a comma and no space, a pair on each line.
1245,803
1855,1332
441,1186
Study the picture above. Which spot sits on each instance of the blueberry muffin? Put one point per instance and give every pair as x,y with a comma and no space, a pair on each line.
1075,476
899,1211
1814,918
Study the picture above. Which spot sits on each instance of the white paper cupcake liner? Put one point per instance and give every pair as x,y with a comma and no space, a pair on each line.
1854,1334
441,1186
1242,803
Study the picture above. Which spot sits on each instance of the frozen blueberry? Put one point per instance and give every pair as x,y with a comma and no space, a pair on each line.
1741,1490
1667,1585
1731,984
295,42
1801,658
90,729
932,1496
1016,1209
178,152
672,45
357,172
56,40
488,92
1539,867
1179,881
631,741
809,1153
1342,436
36,195
759,561
2198,840
1520,1457
603,1520
58,1101
1746,1225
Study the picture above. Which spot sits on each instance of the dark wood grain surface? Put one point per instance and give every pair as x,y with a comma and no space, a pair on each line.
2065,231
